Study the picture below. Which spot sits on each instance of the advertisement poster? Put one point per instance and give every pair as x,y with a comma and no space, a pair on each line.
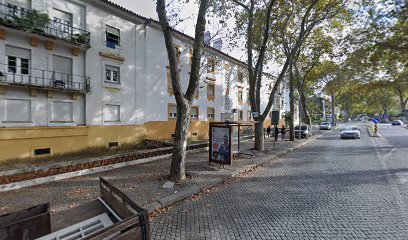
221,145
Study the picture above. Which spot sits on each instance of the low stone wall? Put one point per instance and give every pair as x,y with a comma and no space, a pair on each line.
55,169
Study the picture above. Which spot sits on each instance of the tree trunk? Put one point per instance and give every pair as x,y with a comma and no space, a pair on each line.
177,170
306,115
259,135
403,102
385,108
292,104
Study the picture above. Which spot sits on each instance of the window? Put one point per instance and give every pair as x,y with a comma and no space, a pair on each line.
191,56
113,145
17,110
240,97
62,23
240,77
172,111
227,67
42,151
210,113
210,65
178,52
25,63
112,113
211,91
22,4
62,70
249,115
18,60
18,65
12,64
241,115
112,74
62,111
194,113
112,37
17,8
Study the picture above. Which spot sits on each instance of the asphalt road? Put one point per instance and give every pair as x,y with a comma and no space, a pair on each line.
329,189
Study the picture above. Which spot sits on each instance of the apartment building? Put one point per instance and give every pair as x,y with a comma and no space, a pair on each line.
79,74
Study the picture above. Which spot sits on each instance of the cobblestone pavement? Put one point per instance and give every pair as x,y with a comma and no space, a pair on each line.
142,183
331,189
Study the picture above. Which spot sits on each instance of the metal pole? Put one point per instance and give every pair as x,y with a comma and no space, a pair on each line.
274,136
300,111
333,113
323,109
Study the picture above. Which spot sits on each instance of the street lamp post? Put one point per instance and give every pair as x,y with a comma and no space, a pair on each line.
300,110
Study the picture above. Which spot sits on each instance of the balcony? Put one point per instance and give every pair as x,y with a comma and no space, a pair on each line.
43,79
39,23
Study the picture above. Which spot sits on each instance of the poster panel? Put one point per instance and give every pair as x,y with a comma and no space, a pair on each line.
221,145
275,118
235,142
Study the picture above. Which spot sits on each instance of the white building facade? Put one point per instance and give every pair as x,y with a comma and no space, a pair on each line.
95,75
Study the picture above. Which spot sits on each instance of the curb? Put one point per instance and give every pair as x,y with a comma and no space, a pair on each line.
182,195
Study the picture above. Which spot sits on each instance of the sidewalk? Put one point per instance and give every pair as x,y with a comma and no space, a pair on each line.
143,183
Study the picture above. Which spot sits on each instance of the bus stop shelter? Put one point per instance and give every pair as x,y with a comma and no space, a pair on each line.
225,141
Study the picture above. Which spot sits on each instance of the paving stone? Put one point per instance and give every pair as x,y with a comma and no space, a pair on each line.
330,189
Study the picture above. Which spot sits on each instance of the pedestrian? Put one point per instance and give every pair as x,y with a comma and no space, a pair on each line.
283,131
276,133
268,131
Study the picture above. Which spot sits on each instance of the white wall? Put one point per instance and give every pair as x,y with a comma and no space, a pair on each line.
130,92
41,107
143,90
158,97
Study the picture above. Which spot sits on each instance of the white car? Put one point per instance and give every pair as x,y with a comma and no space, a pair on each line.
397,123
350,132
325,126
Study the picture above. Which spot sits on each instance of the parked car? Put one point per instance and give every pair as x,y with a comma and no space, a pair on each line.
325,126
305,131
350,132
397,123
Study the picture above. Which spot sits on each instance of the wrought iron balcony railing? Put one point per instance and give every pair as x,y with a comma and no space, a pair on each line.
40,23
22,76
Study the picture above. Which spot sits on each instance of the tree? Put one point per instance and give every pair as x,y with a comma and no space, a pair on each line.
320,45
280,21
183,100
380,37
301,18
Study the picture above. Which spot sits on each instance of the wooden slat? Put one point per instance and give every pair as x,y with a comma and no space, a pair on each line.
30,223
75,215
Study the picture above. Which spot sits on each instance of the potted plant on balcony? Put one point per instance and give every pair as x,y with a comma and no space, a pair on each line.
33,20
81,38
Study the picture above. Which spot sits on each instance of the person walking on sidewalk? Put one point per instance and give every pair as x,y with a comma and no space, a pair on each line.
276,133
283,131
268,131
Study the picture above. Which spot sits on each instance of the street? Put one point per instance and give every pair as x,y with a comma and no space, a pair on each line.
328,189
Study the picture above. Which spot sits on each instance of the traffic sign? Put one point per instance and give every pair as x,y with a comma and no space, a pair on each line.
376,120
